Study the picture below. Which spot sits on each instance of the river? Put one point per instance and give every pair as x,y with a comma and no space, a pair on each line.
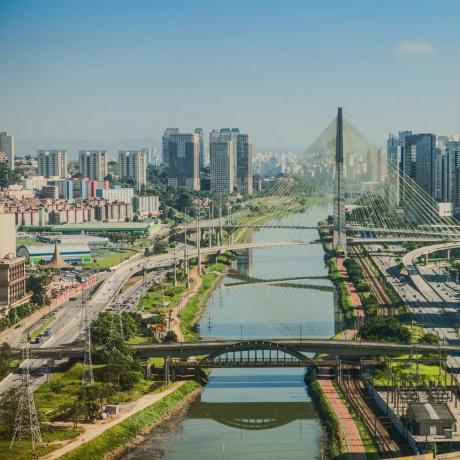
257,413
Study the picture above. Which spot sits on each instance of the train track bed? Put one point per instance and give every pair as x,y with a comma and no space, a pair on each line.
389,442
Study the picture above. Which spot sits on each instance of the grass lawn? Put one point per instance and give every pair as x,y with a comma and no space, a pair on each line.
51,437
139,340
48,401
164,292
407,371
112,259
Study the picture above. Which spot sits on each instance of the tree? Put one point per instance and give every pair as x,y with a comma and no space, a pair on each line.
122,370
38,284
7,176
8,407
105,328
159,246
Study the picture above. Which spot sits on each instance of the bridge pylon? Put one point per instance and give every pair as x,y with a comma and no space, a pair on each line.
339,236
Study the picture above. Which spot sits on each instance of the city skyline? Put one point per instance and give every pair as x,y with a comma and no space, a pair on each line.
280,76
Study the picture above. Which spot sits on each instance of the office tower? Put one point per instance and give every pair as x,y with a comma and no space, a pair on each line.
203,160
222,162
7,148
244,171
453,172
418,161
132,165
165,144
93,164
440,174
52,163
184,160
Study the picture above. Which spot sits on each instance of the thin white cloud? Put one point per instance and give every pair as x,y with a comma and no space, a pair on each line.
414,48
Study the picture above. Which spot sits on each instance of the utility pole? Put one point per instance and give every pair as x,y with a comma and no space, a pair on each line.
198,237
220,220
26,414
186,267
211,225
175,268
87,375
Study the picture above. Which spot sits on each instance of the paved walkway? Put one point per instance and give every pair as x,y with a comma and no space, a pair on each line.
350,431
126,410
351,289
195,283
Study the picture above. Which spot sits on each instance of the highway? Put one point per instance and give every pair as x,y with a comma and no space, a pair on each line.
433,311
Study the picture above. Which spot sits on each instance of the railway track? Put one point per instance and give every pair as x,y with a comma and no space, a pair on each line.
377,289
389,443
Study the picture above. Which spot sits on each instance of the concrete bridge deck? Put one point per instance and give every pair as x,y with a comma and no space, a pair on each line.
204,348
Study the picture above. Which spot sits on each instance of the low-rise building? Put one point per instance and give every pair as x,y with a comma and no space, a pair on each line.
71,253
145,205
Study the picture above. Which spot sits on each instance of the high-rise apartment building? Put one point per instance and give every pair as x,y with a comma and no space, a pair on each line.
52,163
242,157
7,148
93,164
165,144
183,151
222,162
132,165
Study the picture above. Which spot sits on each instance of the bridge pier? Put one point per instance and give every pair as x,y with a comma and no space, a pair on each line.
167,369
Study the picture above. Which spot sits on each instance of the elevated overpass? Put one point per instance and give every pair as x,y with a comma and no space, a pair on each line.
217,348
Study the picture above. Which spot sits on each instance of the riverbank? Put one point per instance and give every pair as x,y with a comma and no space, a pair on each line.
335,444
107,440
190,314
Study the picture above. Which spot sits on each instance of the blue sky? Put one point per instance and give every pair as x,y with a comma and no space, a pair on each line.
110,69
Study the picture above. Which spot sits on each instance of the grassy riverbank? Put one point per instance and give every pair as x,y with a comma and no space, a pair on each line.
192,311
127,431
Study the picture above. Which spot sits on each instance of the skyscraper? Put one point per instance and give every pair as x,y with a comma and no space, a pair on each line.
93,164
244,168
453,172
418,160
203,161
183,151
132,165
242,154
222,162
165,144
7,148
52,163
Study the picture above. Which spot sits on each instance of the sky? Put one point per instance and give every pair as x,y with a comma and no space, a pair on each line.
110,70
